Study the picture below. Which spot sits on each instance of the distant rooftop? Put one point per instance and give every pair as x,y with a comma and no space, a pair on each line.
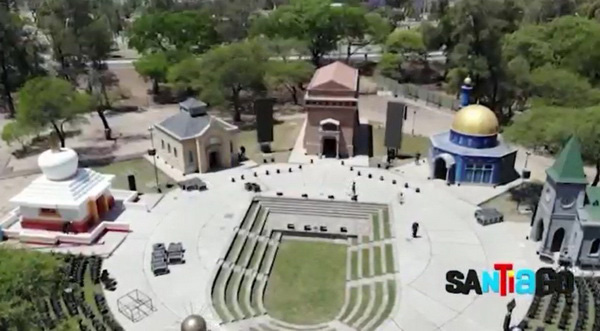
335,76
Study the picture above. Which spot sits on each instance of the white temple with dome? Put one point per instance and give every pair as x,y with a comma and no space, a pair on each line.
64,204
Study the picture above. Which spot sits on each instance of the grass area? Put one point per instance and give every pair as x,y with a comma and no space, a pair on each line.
376,226
366,267
378,264
284,135
365,239
216,297
377,301
351,303
231,293
387,231
410,144
364,302
354,265
389,258
389,306
307,283
237,245
142,170
258,254
250,216
246,252
261,217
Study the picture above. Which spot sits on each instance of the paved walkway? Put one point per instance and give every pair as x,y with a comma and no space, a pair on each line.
204,222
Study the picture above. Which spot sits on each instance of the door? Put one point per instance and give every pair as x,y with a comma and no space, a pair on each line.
329,147
213,160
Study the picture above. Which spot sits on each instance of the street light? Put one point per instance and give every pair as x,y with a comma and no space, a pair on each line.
527,153
152,152
413,121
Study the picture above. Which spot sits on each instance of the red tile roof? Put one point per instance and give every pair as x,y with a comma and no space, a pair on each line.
335,76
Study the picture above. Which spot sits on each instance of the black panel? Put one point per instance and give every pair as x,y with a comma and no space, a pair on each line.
393,124
263,108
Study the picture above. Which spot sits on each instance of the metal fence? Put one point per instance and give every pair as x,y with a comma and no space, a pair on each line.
416,92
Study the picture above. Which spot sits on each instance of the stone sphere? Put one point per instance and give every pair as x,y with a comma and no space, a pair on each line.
58,164
468,81
193,323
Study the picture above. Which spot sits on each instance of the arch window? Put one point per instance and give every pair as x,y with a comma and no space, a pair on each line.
595,248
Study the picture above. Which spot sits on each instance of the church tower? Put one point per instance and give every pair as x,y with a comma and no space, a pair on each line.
563,193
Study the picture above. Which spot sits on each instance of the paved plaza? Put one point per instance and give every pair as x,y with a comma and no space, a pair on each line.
205,223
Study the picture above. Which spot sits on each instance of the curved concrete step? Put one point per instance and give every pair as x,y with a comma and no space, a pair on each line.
219,295
246,293
259,221
250,215
369,311
373,322
231,295
353,316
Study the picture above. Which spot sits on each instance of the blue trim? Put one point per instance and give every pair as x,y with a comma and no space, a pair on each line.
465,95
471,141
480,170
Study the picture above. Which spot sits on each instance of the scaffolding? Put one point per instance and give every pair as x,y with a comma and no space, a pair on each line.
135,305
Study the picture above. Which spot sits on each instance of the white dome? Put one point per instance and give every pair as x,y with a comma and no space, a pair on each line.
60,164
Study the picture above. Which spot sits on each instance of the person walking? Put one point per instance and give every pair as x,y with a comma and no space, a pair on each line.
415,229
353,188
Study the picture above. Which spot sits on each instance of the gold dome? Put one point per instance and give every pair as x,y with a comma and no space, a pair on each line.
475,120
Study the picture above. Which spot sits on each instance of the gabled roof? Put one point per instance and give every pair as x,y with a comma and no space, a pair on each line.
335,76
190,103
592,207
45,193
183,126
568,166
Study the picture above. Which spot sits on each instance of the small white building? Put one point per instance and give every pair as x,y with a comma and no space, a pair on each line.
65,198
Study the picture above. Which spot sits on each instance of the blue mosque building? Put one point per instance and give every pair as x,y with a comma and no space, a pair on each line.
472,151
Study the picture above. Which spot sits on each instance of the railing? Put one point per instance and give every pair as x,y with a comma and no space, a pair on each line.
416,92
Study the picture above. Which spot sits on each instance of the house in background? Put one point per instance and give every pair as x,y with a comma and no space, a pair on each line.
195,141
331,103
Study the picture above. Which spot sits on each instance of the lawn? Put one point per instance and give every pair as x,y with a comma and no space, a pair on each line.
377,301
142,170
376,227
354,265
284,134
377,262
389,258
307,284
387,233
410,144
366,267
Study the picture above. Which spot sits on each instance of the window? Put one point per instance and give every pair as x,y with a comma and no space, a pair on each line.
162,144
190,157
479,173
595,247
48,212
175,151
169,148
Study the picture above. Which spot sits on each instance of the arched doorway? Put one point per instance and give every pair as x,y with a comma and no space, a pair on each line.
557,240
213,160
329,147
539,230
440,170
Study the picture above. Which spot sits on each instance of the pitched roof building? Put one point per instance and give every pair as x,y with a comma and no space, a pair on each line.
331,103
195,141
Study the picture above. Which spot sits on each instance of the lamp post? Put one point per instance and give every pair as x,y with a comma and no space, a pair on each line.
414,118
152,152
527,153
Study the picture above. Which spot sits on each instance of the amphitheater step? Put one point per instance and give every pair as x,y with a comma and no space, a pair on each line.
218,295
389,291
236,248
325,203
323,206
259,221
250,215
245,295
231,295
349,204
316,212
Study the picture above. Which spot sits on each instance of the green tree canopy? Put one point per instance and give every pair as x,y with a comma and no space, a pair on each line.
291,75
561,87
314,21
51,101
153,66
226,71
25,276
408,43
188,31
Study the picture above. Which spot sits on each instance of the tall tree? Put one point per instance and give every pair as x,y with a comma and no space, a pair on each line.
153,66
50,101
229,70
189,31
314,21
20,54
291,75
360,28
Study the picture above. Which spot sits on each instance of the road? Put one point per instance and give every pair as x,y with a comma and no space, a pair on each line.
337,55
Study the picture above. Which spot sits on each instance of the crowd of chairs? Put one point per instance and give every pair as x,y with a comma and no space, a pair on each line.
569,311
69,293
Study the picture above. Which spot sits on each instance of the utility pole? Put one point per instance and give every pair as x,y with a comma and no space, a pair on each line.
152,152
